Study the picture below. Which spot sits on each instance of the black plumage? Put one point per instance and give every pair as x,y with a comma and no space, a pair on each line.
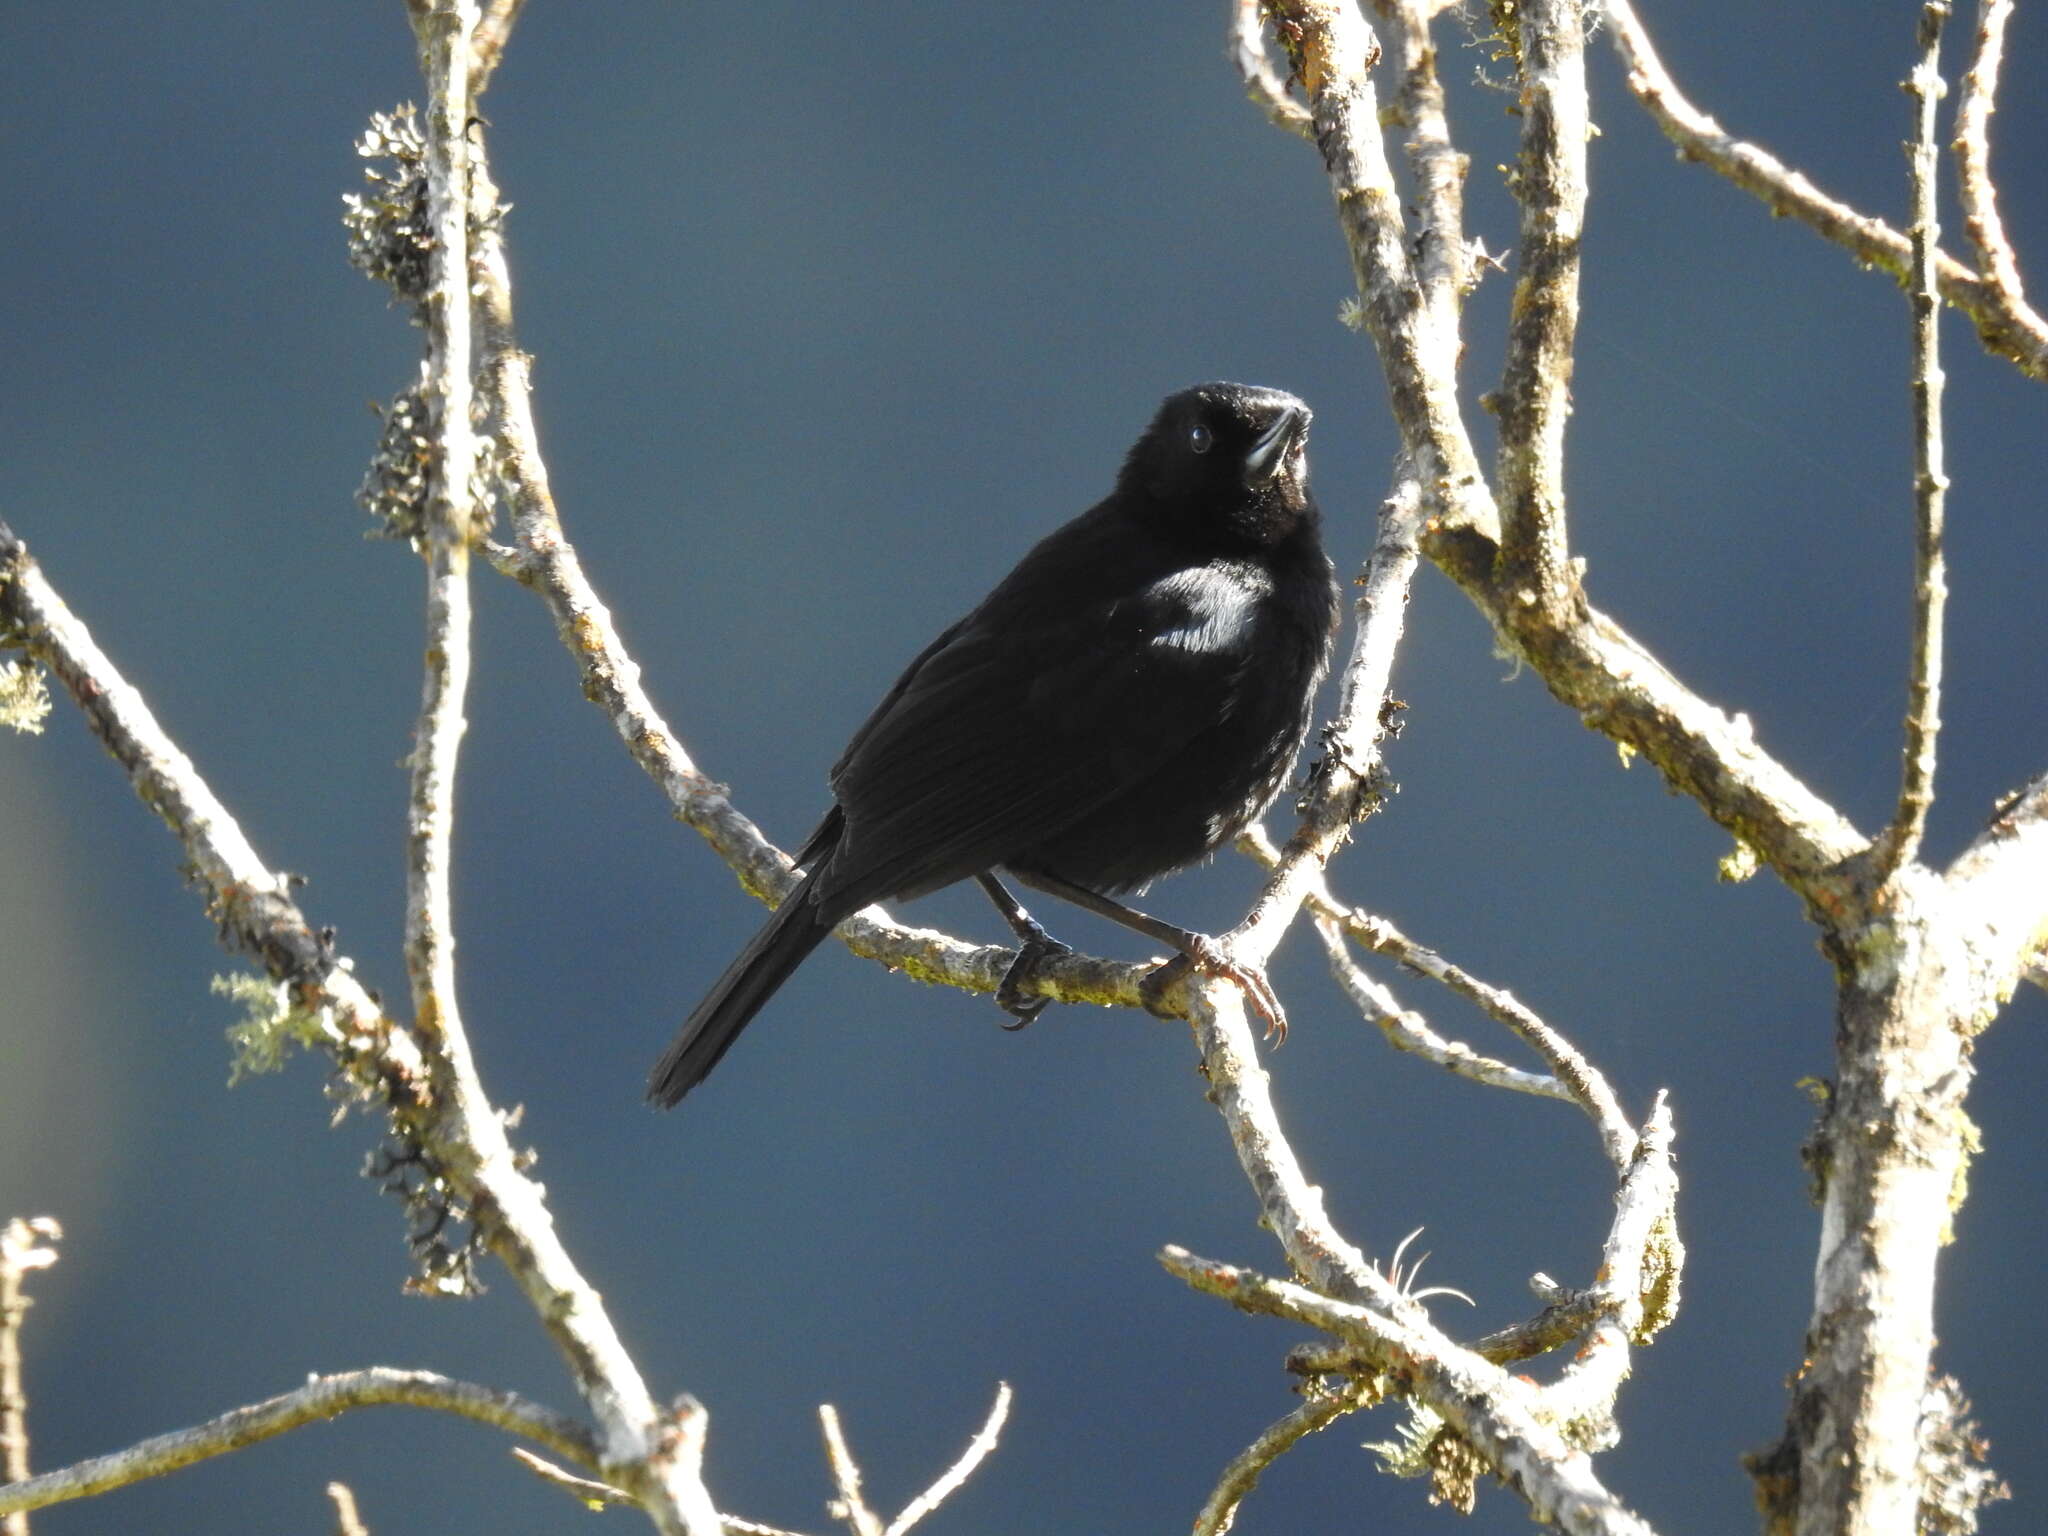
1125,701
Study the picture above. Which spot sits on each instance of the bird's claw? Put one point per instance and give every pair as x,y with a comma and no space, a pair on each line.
1211,957
1009,995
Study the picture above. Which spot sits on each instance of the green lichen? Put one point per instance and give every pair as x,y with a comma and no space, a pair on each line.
24,697
270,1026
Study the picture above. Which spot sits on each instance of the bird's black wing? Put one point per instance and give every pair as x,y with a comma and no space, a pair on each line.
1035,710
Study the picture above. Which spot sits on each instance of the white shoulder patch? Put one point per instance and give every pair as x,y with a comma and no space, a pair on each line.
1209,608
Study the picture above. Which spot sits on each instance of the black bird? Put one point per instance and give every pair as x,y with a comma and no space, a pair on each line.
1126,700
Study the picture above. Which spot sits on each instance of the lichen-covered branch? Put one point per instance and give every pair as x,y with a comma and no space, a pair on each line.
1333,51
2014,334
1443,264
315,1403
1533,402
1499,1415
1241,1476
1262,82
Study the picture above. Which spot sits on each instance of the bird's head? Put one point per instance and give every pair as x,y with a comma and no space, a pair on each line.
1228,459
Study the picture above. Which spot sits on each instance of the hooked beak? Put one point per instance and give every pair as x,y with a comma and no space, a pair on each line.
1269,452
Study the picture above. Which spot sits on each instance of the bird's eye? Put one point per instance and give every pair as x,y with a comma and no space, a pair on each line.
1199,438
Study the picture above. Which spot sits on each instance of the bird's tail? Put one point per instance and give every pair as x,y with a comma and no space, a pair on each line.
797,927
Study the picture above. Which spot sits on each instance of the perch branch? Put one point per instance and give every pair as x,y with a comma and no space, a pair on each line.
1901,840
2017,335
543,560
319,1400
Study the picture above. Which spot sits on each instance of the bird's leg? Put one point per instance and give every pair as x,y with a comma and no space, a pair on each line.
1197,951
1036,945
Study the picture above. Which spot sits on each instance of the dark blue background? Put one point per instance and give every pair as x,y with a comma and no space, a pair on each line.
837,308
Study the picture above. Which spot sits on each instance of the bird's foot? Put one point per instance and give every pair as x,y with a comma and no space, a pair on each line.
1207,955
1010,997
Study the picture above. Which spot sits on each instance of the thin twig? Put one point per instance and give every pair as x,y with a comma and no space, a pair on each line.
1241,1476
1871,241
347,1521
26,1243
851,1506
314,1403
1407,1030
429,935
1534,399
1900,841
1499,1415
949,1481
1979,194
1264,84
591,1493
1584,1084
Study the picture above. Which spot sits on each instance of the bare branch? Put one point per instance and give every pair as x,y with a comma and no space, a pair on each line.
1534,399
949,1481
1407,1030
1979,194
1262,82
1901,840
26,1243
1500,1416
1323,1408
1333,51
851,1506
2017,335
347,1522
316,1402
